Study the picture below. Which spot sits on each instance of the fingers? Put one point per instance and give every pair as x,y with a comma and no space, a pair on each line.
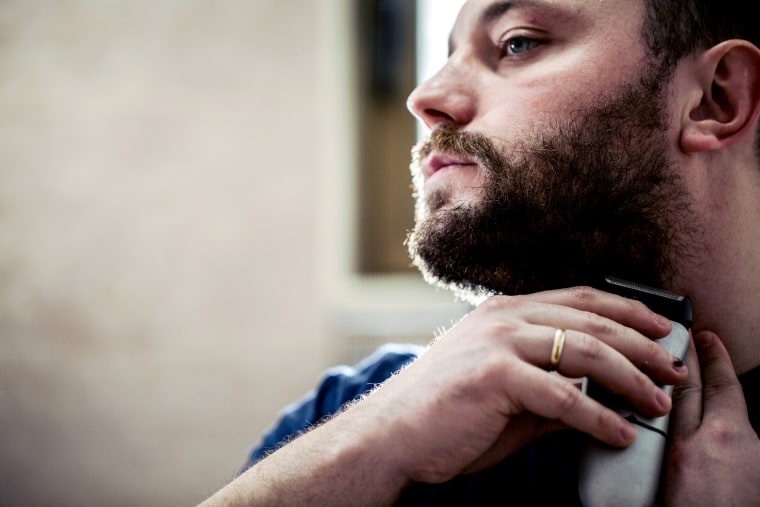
607,338
554,398
712,388
585,355
617,357
624,324
584,330
625,311
722,390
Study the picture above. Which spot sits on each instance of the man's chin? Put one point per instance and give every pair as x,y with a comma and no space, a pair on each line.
441,201
476,283
473,265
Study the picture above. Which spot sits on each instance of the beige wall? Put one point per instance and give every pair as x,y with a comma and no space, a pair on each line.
157,245
175,226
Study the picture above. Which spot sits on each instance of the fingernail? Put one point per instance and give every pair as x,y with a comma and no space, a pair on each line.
677,363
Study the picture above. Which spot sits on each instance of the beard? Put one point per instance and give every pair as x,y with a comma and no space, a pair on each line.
590,196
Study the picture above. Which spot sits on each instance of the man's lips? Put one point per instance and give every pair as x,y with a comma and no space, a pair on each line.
437,161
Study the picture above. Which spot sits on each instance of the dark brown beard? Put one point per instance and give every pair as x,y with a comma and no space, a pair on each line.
593,196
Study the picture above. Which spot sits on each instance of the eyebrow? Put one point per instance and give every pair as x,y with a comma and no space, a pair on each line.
496,10
489,15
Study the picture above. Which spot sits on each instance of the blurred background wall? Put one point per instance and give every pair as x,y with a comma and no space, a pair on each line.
178,212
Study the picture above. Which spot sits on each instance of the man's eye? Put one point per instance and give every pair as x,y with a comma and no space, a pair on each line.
517,45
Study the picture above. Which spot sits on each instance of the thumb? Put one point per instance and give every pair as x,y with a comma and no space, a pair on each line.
722,391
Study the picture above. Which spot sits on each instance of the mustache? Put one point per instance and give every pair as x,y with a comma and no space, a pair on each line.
472,145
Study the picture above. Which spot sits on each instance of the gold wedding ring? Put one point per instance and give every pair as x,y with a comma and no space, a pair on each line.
557,346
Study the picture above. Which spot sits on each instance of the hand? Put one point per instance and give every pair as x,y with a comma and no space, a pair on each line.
480,392
713,455
484,389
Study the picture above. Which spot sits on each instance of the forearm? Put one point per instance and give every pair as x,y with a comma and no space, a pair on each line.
341,462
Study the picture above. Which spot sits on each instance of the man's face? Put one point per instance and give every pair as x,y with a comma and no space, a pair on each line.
548,160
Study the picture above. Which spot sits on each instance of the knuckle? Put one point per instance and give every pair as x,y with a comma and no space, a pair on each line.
590,348
721,386
679,453
500,324
583,293
503,329
637,306
500,303
653,349
722,431
605,418
642,382
599,326
685,390
567,397
651,353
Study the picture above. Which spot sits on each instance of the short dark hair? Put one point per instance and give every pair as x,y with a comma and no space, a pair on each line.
673,29
676,28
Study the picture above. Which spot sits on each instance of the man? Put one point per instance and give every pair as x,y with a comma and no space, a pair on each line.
570,139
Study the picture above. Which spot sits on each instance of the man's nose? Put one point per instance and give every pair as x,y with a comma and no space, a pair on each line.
446,98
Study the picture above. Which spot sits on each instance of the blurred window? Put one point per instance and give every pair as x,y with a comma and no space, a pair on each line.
400,43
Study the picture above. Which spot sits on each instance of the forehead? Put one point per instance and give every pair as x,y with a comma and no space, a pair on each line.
602,15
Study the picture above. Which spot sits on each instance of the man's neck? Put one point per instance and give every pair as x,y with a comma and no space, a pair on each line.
734,319
723,278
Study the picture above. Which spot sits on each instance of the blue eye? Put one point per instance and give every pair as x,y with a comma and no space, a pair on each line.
517,45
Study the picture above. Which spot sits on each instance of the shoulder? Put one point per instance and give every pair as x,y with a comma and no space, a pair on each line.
338,386
341,384
381,364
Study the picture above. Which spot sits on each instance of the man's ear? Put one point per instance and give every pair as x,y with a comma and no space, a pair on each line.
728,78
